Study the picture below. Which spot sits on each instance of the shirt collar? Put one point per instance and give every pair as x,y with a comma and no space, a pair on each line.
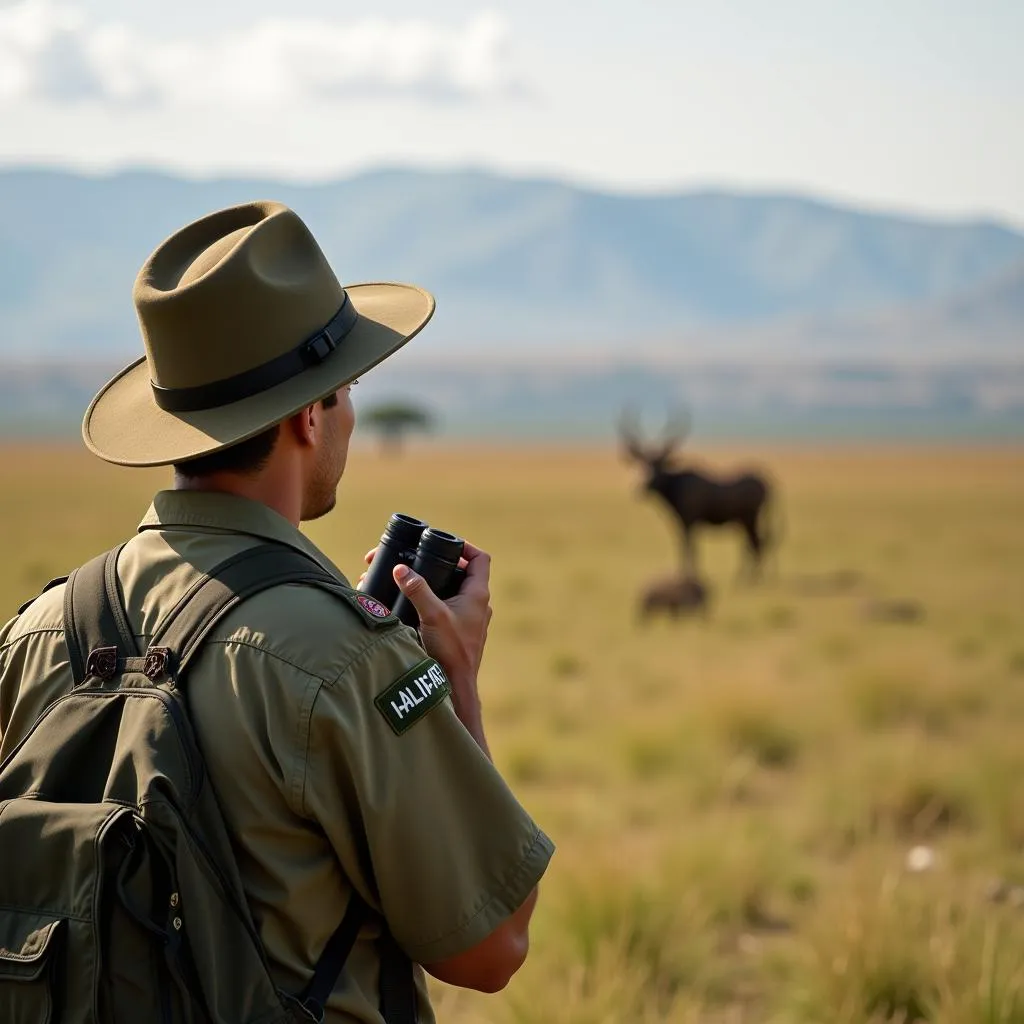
217,510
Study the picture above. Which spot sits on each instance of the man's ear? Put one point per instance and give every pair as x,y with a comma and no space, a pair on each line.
305,424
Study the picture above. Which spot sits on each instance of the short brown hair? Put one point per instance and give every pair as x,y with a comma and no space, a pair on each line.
246,457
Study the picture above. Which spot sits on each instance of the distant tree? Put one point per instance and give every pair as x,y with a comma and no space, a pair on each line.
393,421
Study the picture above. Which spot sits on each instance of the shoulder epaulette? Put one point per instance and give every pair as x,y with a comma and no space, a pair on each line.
373,612
55,582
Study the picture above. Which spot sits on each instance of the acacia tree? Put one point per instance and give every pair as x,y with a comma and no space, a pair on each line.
393,421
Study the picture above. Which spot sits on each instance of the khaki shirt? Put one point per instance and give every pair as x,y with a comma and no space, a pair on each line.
320,791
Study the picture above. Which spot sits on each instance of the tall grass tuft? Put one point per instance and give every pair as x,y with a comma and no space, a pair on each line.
869,956
759,729
660,938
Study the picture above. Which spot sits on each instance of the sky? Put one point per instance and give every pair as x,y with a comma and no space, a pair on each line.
911,105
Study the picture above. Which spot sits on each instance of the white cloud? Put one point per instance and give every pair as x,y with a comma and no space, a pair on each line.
52,53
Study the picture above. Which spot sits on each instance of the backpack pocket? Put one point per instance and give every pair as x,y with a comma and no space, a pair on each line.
57,862
30,948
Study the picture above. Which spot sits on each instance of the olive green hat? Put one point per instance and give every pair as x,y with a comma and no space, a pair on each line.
244,324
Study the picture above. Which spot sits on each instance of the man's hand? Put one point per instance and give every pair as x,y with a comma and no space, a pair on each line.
454,631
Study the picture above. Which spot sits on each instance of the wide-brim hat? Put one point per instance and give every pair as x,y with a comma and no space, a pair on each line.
244,324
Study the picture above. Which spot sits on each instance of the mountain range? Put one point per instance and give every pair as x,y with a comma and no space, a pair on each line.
762,314
536,269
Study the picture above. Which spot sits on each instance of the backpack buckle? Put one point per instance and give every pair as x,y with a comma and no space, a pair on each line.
102,663
157,662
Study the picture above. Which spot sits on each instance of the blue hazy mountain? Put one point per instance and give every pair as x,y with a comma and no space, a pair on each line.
520,265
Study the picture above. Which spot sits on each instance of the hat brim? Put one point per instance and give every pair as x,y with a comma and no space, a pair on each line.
125,426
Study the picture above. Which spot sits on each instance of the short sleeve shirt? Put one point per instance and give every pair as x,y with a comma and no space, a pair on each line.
330,775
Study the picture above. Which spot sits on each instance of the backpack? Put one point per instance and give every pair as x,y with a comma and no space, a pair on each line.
120,898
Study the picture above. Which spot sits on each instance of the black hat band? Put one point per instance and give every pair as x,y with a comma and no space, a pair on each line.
311,352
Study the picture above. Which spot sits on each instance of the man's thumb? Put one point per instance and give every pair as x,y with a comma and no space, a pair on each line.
409,582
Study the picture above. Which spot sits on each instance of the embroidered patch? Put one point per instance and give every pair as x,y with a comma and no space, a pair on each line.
373,606
374,614
409,698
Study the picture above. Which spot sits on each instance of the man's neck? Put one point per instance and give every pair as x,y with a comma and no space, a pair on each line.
262,487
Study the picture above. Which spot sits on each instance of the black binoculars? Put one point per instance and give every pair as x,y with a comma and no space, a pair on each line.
432,553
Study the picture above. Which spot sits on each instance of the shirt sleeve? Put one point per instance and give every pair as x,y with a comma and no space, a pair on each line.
422,822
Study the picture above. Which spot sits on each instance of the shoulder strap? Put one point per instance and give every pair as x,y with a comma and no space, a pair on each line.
186,625
328,968
94,618
397,988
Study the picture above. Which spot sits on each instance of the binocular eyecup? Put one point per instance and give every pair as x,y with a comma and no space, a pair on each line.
432,553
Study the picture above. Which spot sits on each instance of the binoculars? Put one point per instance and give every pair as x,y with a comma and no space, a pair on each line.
432,553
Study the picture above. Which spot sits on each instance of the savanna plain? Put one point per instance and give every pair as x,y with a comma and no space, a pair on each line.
807,806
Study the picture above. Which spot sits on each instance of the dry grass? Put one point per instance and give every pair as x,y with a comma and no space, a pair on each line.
733,800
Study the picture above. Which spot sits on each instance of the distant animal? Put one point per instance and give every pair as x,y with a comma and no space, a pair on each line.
698,499
675,595
894,610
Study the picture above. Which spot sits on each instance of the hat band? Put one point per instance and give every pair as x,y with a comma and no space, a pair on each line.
312,352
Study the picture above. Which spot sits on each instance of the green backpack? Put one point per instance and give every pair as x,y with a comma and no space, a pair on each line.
120,898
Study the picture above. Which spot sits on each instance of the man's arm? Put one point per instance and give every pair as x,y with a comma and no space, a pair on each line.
454,632
489,965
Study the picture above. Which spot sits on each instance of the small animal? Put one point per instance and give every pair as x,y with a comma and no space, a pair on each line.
894,610
675,595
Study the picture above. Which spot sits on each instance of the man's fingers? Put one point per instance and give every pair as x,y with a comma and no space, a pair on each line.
470,550
478,568
368,557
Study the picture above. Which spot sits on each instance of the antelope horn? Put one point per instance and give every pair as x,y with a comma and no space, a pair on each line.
676,430
630,437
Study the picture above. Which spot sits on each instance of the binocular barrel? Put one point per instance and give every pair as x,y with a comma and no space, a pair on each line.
432,553
397,546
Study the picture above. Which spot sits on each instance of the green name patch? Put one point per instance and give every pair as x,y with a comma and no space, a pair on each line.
409,698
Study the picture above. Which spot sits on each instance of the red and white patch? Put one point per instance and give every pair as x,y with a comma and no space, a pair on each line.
373,606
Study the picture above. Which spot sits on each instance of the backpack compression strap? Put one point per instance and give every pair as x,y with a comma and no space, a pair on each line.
99,640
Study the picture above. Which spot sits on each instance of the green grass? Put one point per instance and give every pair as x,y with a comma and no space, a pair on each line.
732,799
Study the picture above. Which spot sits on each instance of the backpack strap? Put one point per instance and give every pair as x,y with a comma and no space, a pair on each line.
328,968
115,602
96,628
397,988
182,631
177,640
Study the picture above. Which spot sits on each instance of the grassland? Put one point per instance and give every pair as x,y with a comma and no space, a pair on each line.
733,800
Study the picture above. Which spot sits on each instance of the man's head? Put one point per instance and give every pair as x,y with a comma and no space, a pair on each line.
247,329
306,453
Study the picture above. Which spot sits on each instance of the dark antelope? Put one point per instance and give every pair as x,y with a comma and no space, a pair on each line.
698,499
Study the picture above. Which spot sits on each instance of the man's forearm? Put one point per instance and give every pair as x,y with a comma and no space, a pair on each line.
466,702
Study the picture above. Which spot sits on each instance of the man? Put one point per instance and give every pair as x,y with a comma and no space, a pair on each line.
328,782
